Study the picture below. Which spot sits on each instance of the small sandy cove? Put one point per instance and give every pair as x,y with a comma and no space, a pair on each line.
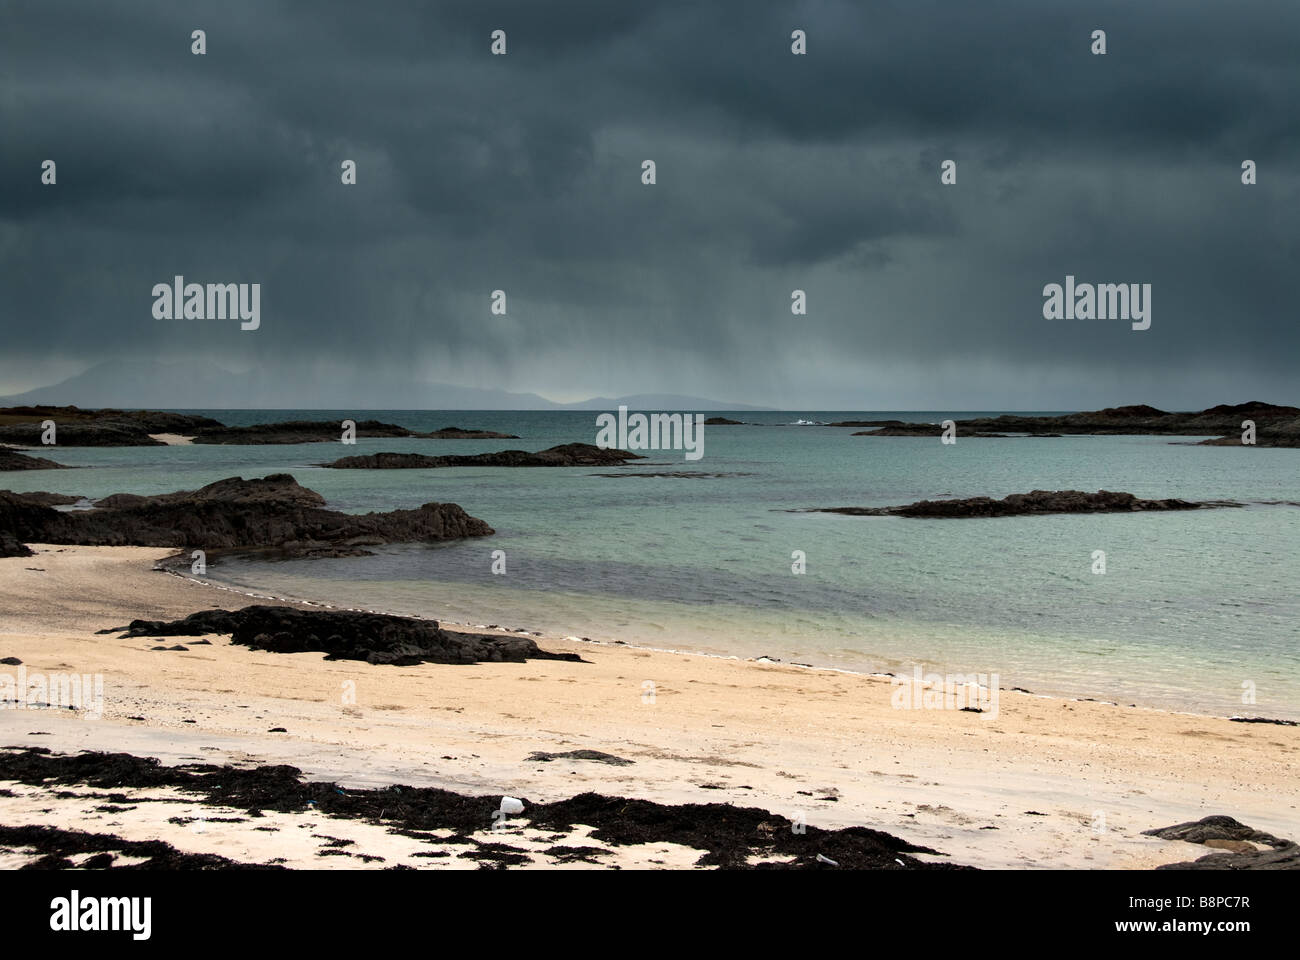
823,745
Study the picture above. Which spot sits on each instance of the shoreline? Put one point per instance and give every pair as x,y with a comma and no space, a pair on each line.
1044,783
572,638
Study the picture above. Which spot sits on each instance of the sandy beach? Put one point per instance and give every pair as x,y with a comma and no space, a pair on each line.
1042,783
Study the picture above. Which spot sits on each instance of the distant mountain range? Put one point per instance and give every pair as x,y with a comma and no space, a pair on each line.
142,384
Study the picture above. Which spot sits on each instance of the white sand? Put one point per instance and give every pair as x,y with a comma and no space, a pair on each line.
766,735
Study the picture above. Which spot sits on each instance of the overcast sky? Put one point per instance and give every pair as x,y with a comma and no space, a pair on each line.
774,172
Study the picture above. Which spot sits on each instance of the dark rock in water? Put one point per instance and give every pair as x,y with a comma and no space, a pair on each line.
98,428
596,755
674,474
279,488
347,635
297,431
389,461
274,512
13,460
457,433
42,499
1215,828
565,455
1275,425
75,427
723,422
910,431
1021,504
1268,433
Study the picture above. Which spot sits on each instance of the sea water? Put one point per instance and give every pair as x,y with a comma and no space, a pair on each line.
1196,610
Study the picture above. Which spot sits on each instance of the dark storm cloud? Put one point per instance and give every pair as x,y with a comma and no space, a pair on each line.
775,172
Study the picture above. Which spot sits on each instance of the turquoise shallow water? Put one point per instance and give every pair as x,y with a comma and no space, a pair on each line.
1192,605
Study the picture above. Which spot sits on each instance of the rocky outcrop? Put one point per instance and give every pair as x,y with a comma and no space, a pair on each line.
279,488
1268,433
11,546
1237,846
43,499
456,433
1021,504
75,427
346,635
1130,420
565,455
909,431
722,422
274,513
1215,828
13,460
297,431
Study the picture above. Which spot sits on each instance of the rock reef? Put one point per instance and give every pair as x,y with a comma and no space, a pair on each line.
1275,425
565,455
75,427
1022,504
13,460
296,431
457,433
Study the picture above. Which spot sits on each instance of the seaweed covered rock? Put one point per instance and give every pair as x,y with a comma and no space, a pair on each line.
346,635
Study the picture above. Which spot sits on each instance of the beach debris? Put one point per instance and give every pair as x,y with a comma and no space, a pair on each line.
510,805
723,834
593,755
828,860
1283,723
